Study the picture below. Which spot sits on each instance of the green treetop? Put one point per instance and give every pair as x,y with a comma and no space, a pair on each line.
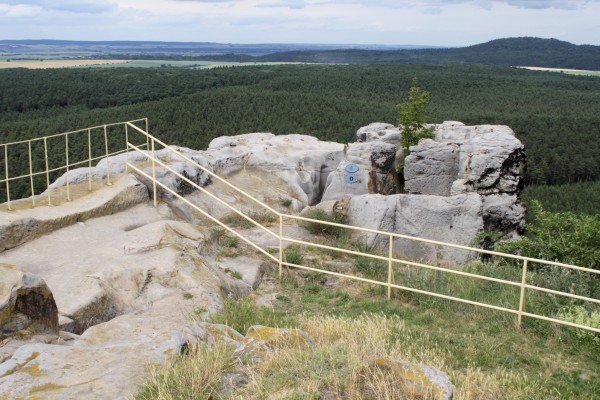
412,117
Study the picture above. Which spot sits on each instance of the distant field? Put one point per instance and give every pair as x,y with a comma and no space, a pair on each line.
566,71
49,63
38,64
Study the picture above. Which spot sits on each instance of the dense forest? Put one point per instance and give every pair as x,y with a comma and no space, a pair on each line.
557,116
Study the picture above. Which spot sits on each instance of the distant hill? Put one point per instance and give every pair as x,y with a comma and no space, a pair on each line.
523,51
156,49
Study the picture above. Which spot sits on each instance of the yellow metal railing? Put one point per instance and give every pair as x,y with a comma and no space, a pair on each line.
390,259
148,149
65,139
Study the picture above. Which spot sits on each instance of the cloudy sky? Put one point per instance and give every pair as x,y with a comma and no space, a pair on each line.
421,22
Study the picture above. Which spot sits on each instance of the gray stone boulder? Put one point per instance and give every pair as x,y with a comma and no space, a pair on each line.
486,159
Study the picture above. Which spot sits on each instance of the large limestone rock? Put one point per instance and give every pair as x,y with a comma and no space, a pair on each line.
431,168
304,162
486,159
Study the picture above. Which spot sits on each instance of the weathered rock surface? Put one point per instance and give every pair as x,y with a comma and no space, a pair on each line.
137,260
455,219
431,168
375,173
486,160
25,302
108,361
423,379
380,132
20,227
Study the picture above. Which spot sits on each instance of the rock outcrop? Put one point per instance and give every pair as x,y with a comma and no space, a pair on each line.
482,163
123,276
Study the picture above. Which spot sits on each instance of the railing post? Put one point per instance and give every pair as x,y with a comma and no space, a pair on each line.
280,245
126,148
522,298
107,163
6,174
147,137
89,159
390,269
31,173
47,171
67,165
153,174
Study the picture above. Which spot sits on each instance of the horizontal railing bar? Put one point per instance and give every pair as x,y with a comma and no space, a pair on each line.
71,132
210,194
212,174
356,278
260,249
456,246
560,321
556,292
453,271
443,296
13,178
323,271
322,246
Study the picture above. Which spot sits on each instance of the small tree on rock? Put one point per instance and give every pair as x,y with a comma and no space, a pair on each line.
412,118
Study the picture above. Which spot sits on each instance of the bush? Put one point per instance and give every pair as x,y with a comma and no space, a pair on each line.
565,237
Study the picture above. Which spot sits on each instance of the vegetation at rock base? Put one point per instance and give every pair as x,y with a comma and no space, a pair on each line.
412,118
352,323
569,237
555,115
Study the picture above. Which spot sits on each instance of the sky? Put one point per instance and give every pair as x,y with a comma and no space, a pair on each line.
393,22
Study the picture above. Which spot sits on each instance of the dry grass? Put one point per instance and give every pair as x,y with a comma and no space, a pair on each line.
195,375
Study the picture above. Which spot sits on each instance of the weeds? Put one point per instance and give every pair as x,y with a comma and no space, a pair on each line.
242,313
195,375
317,228
233,274
293,255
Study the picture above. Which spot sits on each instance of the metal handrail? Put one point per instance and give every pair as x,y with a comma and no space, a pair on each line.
523,285
148,149
7,179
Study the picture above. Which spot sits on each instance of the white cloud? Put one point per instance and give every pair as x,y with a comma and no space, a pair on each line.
74,6
425,22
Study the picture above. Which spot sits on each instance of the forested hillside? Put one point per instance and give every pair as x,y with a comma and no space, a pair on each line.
556,116
524,51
